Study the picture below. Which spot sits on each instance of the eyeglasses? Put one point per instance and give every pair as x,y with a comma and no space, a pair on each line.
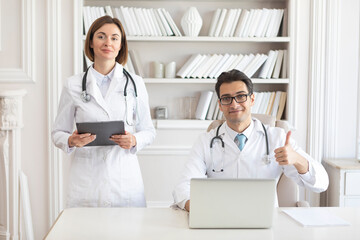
238,98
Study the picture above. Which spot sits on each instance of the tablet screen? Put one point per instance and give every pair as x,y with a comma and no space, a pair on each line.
102,130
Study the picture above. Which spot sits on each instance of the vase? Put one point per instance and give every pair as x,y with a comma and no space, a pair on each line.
191,22
170,70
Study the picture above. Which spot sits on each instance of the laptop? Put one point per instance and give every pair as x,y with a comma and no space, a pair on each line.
232,203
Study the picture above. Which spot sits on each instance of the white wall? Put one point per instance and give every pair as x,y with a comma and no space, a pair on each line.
35,135
67,60
302,73
346,131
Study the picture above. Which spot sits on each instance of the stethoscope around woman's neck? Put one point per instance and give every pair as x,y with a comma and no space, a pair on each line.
266,159
85,97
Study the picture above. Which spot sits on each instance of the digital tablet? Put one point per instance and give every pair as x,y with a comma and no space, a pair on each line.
102,130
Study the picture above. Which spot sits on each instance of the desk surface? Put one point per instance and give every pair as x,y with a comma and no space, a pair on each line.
343,163
166,223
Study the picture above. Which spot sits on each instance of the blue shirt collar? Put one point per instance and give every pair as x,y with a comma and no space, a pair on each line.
247,132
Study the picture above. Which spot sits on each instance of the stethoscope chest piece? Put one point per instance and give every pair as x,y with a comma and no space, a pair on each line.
85,97
266,160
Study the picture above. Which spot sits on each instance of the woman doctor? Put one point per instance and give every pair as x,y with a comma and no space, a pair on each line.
104,176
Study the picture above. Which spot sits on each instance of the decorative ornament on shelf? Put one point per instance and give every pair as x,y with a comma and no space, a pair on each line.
191,22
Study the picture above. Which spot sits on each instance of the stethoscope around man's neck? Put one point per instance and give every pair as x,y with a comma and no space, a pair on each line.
86,97
266,159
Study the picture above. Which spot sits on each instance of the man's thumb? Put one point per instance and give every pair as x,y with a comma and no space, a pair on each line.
288,135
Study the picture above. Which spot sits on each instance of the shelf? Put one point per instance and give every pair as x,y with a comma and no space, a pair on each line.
271,81
179,80
174,1
207,80
206,39
181,123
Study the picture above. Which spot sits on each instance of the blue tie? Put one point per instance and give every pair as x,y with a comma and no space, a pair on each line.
241,138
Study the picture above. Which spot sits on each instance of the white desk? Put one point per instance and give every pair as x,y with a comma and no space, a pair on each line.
166,223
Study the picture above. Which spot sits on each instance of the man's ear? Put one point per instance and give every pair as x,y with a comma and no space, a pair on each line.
220,106
252,99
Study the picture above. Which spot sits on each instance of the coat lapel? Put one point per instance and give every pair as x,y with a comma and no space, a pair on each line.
227,139
94,91
116,81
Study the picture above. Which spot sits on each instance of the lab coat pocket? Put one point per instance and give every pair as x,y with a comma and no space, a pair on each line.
216,165
217,173
268,160
123,108
83,152
81,170
117,103
130,107
267,166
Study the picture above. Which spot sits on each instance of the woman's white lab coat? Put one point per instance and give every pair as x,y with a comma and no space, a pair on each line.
248,163
106,175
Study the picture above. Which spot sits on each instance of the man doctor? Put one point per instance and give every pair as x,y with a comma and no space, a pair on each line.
244,151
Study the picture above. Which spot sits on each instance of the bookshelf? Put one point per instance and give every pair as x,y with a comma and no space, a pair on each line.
181,48
167,154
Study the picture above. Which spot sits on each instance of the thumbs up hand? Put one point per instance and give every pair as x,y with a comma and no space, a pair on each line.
286,155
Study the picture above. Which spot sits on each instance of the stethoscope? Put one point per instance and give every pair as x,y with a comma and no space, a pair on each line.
266,159
130,120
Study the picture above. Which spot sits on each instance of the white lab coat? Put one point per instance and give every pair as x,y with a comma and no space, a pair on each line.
107,175
248,163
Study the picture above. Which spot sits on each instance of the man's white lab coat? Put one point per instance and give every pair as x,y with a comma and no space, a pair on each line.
248,163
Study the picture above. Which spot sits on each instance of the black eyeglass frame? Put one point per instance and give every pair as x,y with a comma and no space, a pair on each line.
234,98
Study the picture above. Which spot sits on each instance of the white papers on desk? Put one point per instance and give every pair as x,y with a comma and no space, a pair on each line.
315,217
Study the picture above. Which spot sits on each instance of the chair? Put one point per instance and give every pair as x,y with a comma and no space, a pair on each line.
287,189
